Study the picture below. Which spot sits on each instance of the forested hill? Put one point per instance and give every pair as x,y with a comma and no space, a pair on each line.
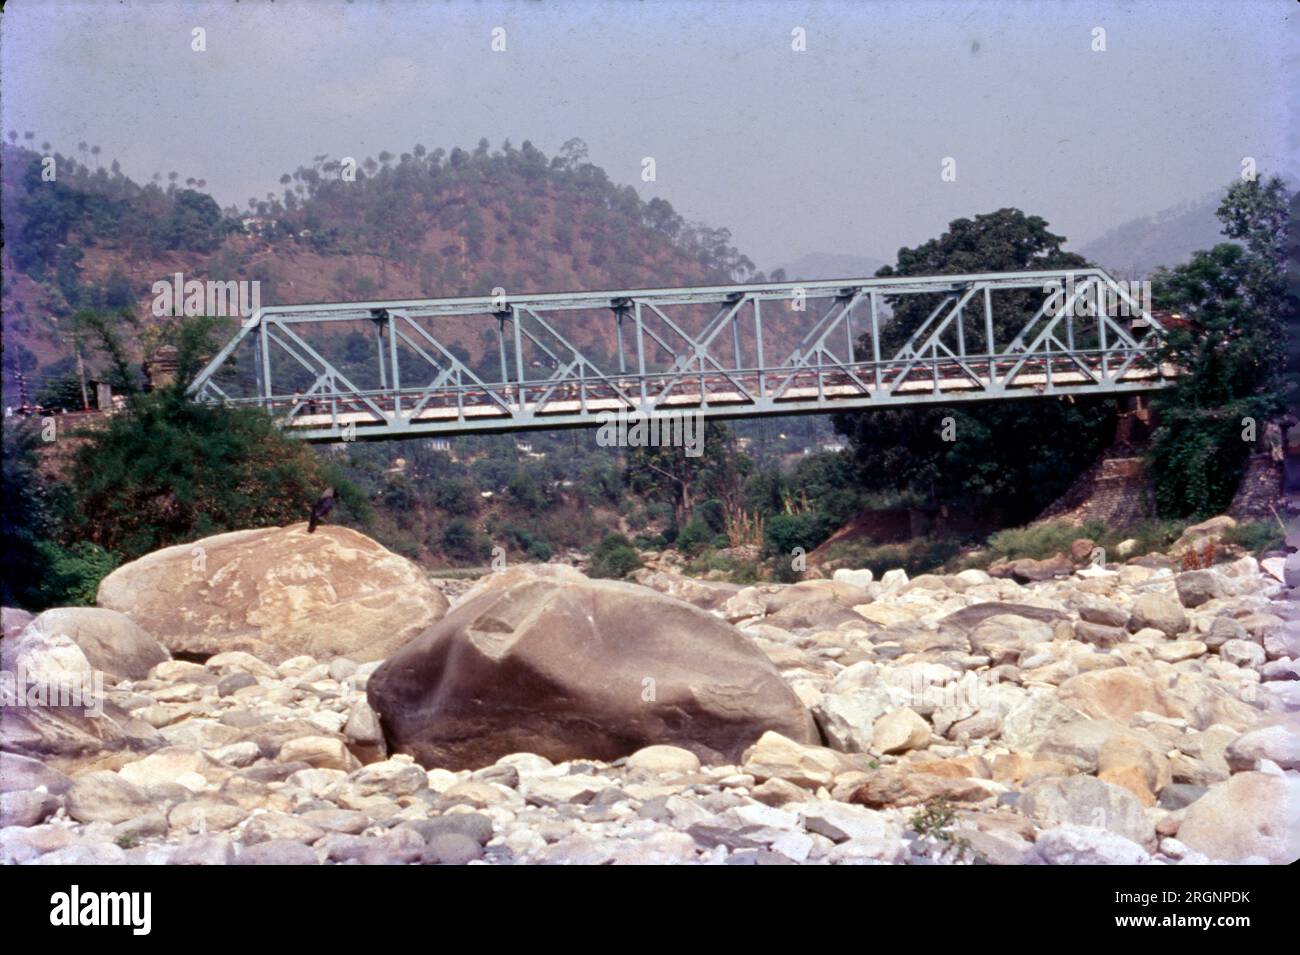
420,224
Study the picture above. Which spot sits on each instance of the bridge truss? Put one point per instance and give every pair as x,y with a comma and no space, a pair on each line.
505,363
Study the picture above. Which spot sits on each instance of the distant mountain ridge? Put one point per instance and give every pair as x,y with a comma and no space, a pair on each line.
1134,249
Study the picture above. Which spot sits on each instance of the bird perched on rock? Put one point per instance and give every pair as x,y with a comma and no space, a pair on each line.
320,509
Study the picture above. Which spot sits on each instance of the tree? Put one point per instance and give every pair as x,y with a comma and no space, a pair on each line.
1231,347
170,470
29,515
1009,459
669,474
195,223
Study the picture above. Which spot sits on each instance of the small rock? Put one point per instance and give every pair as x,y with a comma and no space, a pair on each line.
209,849
323,752
105,797
1242,653
1196,587
1279,744
234,682
1159,611
451,848
1086,845
900,731
27,807
1087,801
664,760
278,852
854,578
776,756
1181,795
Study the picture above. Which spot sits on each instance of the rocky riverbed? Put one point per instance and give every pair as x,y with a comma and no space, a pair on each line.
267,712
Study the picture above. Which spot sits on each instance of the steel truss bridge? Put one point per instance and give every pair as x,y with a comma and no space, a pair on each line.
358,370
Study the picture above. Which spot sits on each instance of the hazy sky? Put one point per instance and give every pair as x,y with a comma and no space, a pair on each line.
836,149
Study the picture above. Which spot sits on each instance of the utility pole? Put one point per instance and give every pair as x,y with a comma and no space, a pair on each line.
81,372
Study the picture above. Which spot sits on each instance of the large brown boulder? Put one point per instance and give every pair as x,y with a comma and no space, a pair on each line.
579,668
277,592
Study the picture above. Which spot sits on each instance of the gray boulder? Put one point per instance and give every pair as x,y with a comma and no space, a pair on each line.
1088,801
580,668
111,641
1196,587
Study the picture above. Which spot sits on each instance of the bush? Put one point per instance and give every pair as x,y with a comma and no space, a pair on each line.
456,496
1257,537
462,541
171,470
1040,541
525,540
738,570
694,536
614,558
784,532
73,574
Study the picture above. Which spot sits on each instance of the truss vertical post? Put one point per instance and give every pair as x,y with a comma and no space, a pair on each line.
1069,329
758,344
959,321
379,344
501,345
848,330
735,337
392,359
874,299
519,357
622,359
1101,339
264,340
640,352
988,332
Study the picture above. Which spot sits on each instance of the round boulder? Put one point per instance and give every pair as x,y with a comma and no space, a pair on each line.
111,641
572,669
277,593
1159,611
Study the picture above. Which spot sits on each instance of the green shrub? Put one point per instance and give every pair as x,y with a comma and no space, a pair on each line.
1040,541
73,574
784,532
614,558
694,537
738,570
525,540
1257,537
461,541
170,470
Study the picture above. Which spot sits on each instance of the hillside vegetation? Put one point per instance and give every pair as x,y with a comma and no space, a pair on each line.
420,224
